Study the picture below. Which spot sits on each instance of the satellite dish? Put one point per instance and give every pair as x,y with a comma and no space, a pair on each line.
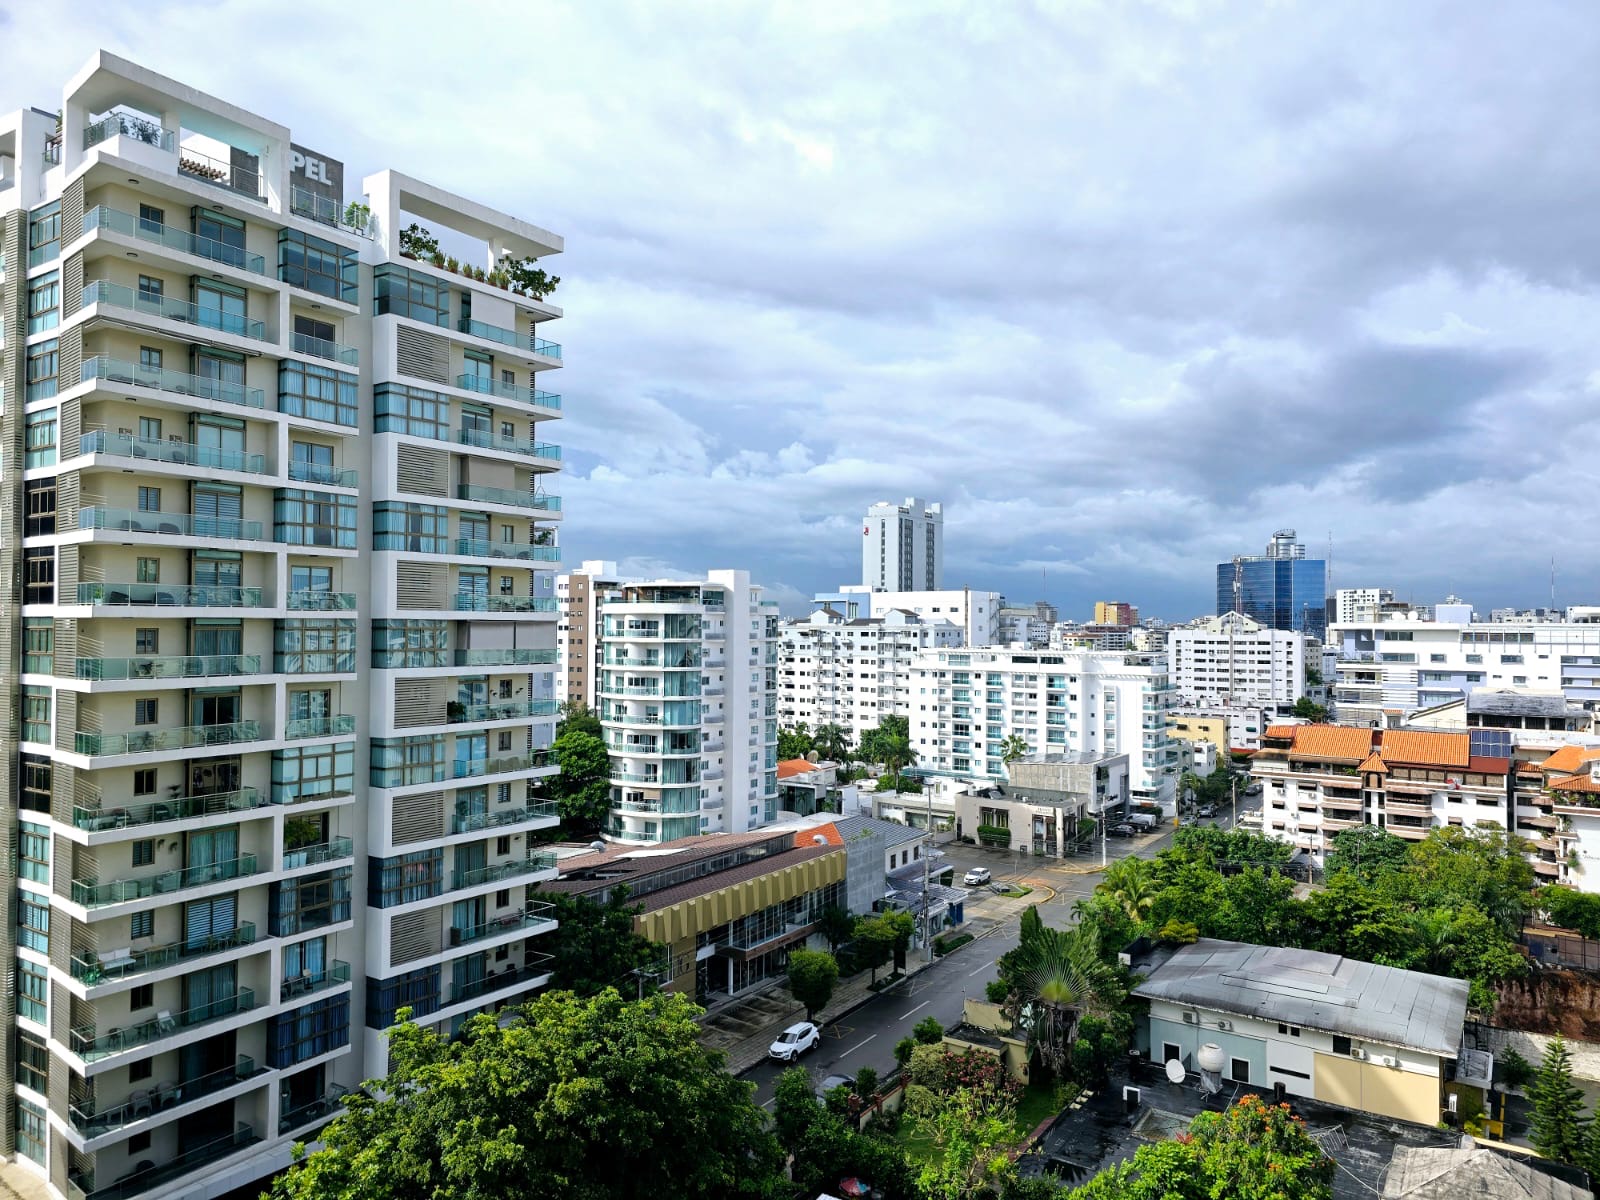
819,840
598,847
1175,1071
813,757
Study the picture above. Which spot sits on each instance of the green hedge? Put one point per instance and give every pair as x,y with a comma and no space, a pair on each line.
943,945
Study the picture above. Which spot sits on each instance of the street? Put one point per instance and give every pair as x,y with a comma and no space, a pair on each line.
867,1036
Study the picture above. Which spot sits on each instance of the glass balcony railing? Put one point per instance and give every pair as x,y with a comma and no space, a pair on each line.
178,808
310,727
539,346
187,737
115,295
317,601
93,894
534,914
129,520
125,445
178,666
325,1107
477,548
508,391
471,602
167,595
469,768
90,1045
485,440
544,399
495,872
535,968
504,656
304,343
323,852
305,472
202,387
492,333
500,710
494,495
121,124
81,1185
90,967
145,1102
334,974
173,239
471,822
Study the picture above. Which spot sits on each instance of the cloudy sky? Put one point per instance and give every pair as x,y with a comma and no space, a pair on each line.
1126,286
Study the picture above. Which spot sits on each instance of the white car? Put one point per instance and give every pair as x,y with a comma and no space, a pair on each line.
794,1041
976,877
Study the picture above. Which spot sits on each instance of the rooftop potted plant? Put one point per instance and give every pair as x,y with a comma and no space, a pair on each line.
417,243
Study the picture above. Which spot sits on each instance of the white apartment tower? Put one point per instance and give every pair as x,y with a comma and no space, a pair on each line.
688,700
902,547
1234,660
279,516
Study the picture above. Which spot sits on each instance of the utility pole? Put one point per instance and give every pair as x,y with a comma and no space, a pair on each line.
1235,782
1233,624
927,854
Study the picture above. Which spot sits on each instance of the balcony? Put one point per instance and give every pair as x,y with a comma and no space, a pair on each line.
539,346
173,239
305,472
115,295
240,181
184,737
490,333
471,768
476,548
537,967
93,894
323,852
166,595
92,968
307,983
522,656
472,602
304,343
81,1187
507,391
146,1102
472,822
123,124
308,600
186,454
485,440
500,710
310,727
91,1046
323,1108
178,383
507,496
181,666
129,520
179,808
534,914
532,864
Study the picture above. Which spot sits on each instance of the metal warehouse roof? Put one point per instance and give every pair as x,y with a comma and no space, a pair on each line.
1318,991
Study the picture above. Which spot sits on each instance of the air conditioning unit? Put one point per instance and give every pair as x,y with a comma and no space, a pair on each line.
1358,1053
1389,1060
1190,1018
1224,1024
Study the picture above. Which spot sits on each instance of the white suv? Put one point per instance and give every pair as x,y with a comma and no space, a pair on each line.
794,1041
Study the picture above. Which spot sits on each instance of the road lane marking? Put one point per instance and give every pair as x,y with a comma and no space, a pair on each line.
983,968
853,1049
923,1005
767,1103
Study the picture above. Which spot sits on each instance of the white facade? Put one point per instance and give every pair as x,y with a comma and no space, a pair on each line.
1399,664
1232,659
978,613
902,547
1359,604
852,673
965,703
688,701
257,437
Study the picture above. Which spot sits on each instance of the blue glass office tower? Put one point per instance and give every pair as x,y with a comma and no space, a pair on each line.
1281,589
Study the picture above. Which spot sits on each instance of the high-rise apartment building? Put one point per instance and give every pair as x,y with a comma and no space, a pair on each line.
1360,604
902,547
978,613
964,704
1282,589
281,534
852,673
1236,661
688,700
1115,612
581,595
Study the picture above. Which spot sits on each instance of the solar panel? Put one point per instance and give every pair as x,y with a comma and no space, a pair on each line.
1490,743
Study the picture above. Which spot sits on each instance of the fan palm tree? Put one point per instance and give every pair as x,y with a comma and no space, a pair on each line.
1061,975
1015,746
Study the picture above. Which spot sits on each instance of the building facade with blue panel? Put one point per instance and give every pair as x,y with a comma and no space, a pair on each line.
1282,589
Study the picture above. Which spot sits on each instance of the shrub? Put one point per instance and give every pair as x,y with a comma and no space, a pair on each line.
1515,1071
996,991
903,1049
866,1084
928,1031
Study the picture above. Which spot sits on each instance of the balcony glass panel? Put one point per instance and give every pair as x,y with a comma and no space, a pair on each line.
91,968
93,894
185,737
494,495
123,445
167,595
192,666
173,239
131,374
115,295
89,1044
130,520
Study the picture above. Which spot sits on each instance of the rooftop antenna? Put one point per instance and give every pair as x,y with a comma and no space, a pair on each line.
1552,583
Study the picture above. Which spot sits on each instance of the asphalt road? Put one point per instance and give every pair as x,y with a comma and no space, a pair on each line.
866,1037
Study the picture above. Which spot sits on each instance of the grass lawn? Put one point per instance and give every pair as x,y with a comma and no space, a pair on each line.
1037,1104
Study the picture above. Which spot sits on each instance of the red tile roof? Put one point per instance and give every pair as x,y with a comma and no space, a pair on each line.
1575,783
1375,763
1569,758
1425,749
1332,741
790,767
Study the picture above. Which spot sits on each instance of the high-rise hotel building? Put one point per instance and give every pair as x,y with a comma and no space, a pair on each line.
278,525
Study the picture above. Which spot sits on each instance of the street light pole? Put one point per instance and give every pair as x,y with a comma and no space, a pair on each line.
927,853
1235,782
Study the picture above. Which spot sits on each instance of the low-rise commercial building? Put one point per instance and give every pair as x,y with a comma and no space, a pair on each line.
1047,805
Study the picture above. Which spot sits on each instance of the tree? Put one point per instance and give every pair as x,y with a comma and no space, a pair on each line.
1251,1151
812,974
874,942
1367,852
795,741
594,1099
1131,883
830,1150
582,790
974,1135
595,946
928,1031
577,717
833,742
1308,710
1559,1126
836,925
794,1107
1013,747
889,744
1486,867
1061,974
1571,909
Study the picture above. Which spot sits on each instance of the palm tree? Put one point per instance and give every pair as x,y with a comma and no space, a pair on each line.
1062,975
898,753
1132,884
1437,939
1015,746
832,742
